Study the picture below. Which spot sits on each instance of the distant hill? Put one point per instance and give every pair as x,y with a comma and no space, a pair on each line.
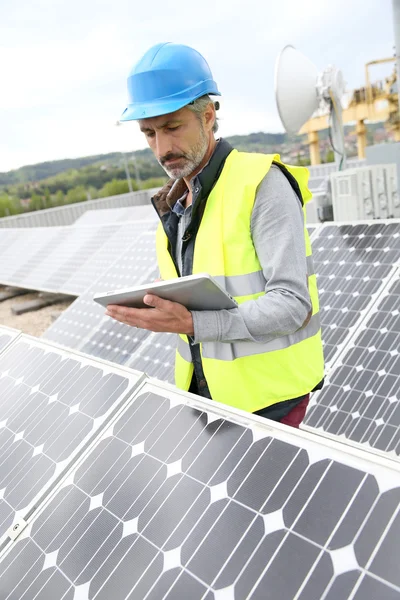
49,168
253,142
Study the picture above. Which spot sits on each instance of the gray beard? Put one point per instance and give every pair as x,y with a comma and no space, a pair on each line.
192,159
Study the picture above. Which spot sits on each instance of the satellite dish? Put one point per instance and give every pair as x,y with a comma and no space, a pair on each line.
301,90
295,88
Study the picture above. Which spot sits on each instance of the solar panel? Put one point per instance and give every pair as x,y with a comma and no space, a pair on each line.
181,500
7,336
63,259
70,256
106,255
352,262
7,238
83,325
156,356
361,400
29,248
52,403
117,215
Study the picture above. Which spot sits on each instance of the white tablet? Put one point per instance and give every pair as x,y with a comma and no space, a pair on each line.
196,292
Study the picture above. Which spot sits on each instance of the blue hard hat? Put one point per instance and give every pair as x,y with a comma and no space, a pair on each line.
168,77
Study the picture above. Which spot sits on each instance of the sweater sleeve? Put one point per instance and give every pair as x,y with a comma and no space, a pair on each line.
277,227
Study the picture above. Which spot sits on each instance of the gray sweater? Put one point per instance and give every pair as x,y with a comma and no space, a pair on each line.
277,228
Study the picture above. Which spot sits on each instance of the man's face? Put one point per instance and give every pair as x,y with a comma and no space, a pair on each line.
178,140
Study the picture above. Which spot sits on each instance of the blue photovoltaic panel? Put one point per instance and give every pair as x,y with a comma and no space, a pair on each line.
361,399
51,405
352,263
179,502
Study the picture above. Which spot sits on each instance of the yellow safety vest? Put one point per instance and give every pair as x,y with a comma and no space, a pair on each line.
246,375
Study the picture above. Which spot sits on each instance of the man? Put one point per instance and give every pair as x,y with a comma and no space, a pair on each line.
239,217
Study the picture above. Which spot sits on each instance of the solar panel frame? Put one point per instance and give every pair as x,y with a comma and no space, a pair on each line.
322,454
103,415
313,230
323,412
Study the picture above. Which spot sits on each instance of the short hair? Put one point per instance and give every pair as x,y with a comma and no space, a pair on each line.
199,105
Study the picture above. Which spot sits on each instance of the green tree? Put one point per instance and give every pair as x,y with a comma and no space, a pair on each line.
47,199
36,202
302,161
92,193
330,156
154,182
21,191
77,194
58,198
115,187
9,206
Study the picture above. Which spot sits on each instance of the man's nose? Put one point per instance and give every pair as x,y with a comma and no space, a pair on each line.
163,145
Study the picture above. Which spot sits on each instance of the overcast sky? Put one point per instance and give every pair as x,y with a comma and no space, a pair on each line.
63,65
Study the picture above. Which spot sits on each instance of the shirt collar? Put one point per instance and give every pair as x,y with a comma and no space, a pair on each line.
165,200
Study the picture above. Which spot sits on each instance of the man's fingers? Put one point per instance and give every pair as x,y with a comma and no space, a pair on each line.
135,317
123,313
157,302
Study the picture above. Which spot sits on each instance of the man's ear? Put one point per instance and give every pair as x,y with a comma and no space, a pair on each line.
209,116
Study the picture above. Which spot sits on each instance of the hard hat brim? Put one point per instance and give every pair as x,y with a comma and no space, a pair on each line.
138,111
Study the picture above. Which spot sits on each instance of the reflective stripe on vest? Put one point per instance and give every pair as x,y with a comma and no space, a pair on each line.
253,283
233,350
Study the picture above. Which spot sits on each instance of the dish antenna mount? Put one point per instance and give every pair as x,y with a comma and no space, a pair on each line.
301,90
